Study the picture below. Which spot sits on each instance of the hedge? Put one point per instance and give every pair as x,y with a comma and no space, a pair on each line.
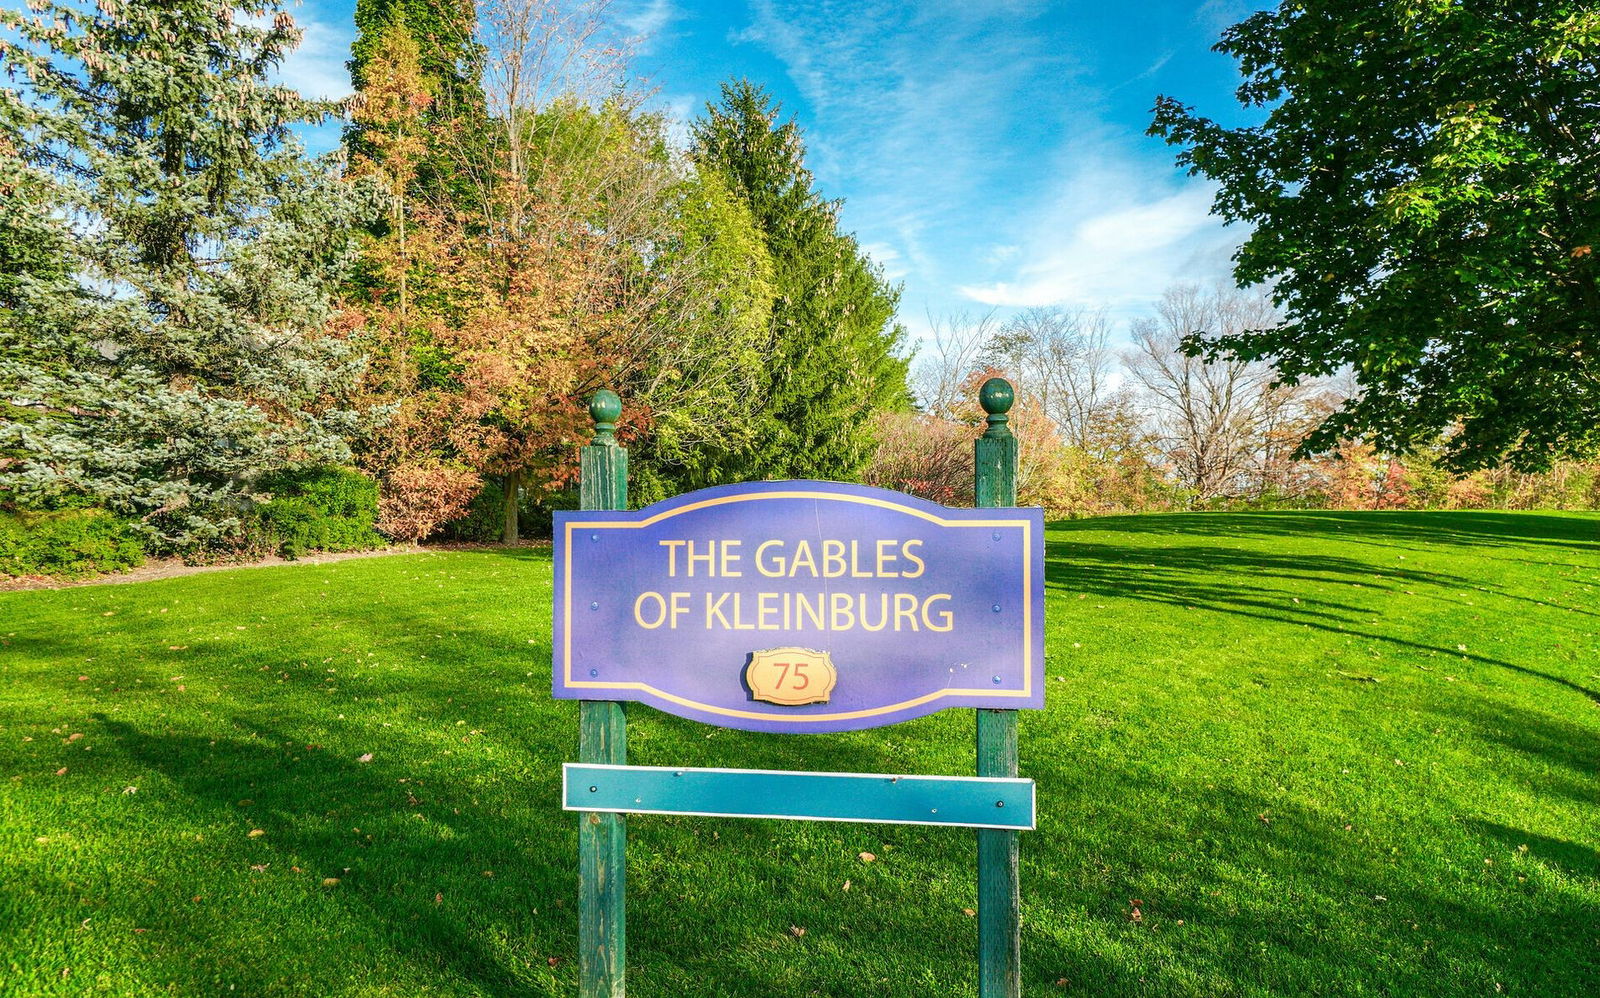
316,509
68,542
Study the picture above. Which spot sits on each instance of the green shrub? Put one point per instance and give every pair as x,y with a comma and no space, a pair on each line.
485,520
69,542
316,509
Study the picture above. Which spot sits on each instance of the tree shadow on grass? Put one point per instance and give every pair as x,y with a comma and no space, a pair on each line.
1299,905
1223,579
1228,580
396,875
1564,756
1573,858
1433,527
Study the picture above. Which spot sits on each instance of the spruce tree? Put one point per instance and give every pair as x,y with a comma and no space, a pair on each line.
834,355
170,347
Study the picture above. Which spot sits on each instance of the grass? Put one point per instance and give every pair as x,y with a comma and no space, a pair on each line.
1319,753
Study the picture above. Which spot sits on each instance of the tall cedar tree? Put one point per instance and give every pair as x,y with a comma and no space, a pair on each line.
833,362
1424,206
448,59
186,354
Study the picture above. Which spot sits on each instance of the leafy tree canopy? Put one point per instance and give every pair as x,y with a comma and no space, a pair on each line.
1423,196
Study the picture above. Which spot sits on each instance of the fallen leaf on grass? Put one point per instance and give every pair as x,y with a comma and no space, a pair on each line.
256,833
260,867
796,931
846,886
969,913
554,961
865,857
62,771
74,736
364,757
330,881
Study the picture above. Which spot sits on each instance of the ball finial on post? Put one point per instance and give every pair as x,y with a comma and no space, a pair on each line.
604,409
996,396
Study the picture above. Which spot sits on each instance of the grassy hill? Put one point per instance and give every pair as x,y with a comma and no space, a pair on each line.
1316,753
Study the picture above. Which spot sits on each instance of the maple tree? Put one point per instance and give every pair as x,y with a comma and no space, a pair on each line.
586,256
1422,202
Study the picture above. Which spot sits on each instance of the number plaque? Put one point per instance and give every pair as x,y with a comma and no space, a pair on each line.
791,676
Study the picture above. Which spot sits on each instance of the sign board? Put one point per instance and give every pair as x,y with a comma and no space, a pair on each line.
963,801
801,606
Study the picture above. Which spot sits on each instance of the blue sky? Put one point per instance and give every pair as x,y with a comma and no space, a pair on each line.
991,153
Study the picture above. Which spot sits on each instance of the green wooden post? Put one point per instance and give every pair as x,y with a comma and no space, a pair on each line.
602,738
999,890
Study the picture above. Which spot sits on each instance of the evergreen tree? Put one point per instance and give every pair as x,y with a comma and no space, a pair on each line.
173,349
833,355
447,59
34,265
444,35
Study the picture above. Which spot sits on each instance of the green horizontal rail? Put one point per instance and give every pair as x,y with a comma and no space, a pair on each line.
966,801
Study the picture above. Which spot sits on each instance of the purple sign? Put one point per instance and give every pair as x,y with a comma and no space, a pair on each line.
801,606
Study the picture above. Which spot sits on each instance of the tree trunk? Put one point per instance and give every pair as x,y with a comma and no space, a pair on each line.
512,481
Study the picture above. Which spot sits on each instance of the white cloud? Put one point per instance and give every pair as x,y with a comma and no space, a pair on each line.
971,147
317,67
887,257
679,110
912,108
645,23
1114,235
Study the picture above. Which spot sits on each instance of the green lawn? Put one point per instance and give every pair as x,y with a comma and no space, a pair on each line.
1322,753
